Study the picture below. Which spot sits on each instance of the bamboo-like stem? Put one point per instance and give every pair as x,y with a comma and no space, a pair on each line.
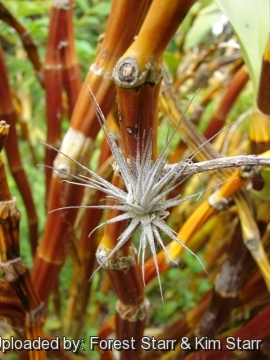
259,134
71,69
11,310
259,131
251,235
255,290
222,227
264,88
7,113
148,48
132,307
60,68
83,266
137,75
217,121
138,122
138,117
12,266
49,258
228,284
85,248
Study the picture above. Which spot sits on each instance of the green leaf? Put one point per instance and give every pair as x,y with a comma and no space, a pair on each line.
203,286
171,61
28,8
86,52
250,21
83,5
101,9
170,307
87,20
202,26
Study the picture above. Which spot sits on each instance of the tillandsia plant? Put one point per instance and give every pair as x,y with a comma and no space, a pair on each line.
137,208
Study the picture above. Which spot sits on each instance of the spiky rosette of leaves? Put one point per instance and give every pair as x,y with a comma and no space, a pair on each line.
144,203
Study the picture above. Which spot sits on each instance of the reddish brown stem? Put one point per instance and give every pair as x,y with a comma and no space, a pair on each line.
7,113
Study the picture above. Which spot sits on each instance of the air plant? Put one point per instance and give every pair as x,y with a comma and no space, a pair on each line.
144,204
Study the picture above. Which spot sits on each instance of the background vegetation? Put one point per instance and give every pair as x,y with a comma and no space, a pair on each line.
213,53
